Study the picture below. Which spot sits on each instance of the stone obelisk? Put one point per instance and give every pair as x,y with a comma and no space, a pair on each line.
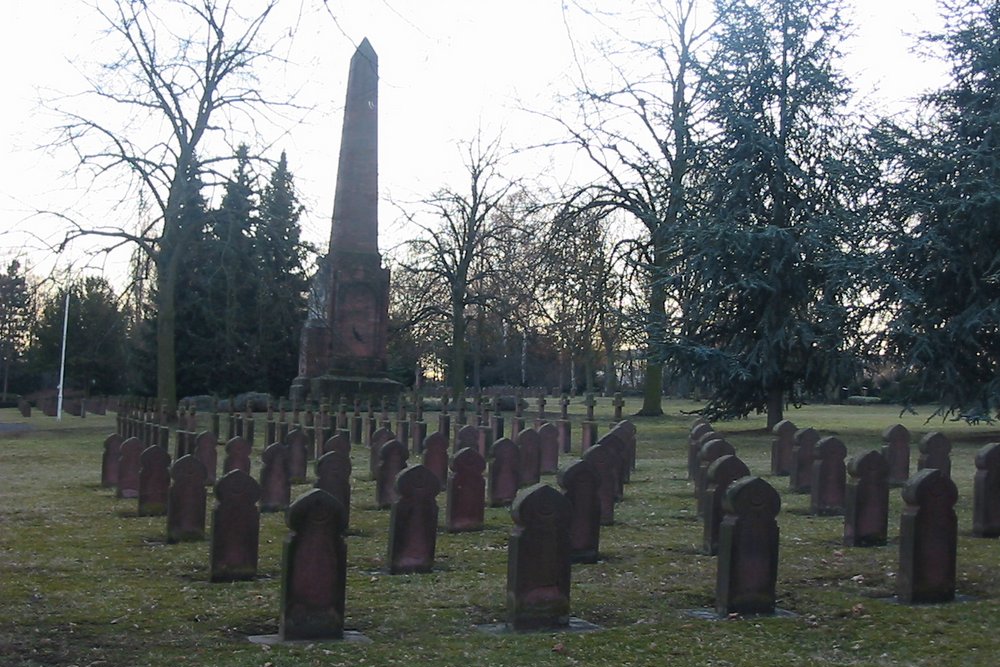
343,345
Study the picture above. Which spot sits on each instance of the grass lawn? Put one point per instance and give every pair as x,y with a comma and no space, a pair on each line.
85,582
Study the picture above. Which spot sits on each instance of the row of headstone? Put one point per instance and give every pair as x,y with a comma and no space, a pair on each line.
739,523
928,525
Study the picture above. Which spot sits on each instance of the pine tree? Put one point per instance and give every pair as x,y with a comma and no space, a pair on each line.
282,285
943,199
773,249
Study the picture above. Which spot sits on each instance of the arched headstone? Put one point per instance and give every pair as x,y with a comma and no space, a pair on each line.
581,485
548,448
529,460
700,428
314,569
413,521
935,452
986,492
237,456
235,528
710,451
502,483
379,438
896,450
128,468
154,481
928,538
297,450
466,493
391,461
747,572
204,450
866,511
782,447
803,453
603,458
435,455
829,477
538,560
339,443
333,475
275,487
187,502
109,460
720,475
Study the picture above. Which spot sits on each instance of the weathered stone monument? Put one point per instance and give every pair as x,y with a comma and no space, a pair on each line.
343,343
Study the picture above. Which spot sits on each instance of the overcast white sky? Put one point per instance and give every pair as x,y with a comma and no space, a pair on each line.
448,67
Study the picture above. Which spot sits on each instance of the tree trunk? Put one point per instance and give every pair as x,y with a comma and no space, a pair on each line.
652,394
456,369
166,367
775,407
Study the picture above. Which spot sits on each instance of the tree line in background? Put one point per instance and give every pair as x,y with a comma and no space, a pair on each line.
751,230
793,243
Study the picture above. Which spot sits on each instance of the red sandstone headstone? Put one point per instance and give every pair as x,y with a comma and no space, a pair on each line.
297,450
748,549
128,468
829,478
866,512
928,539
986,492
275,488
896,449
235,527
435,456
205,444
935,452
538,560
502,483
109,460
466,492
800,477
340,443
548,448
314,569
237,456
710,451
413,521
529,461
187,500
333,475
699,429
604,460
379,438
581,485
391,461
720,475
154,481
782,447
467,436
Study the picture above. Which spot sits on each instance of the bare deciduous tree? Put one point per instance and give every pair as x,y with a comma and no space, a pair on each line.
183,77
